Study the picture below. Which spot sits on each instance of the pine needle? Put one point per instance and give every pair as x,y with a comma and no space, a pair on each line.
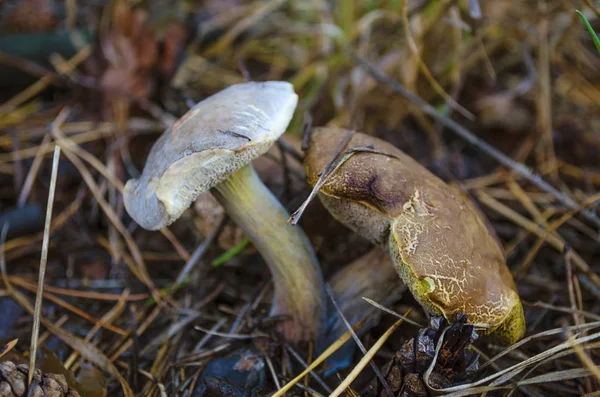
43,261
328,352
366,359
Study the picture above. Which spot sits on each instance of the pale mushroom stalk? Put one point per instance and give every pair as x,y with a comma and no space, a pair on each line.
285,249
211,148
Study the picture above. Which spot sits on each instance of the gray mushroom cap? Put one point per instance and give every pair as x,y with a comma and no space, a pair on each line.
214,139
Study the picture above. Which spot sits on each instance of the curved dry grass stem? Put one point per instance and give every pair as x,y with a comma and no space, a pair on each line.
503,376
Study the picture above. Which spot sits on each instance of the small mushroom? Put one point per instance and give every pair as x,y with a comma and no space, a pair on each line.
371,276
211,148
436,236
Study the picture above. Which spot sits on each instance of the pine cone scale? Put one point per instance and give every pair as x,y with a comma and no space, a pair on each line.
13,383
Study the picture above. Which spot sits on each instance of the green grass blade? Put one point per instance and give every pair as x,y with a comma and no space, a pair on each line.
589,28
230,253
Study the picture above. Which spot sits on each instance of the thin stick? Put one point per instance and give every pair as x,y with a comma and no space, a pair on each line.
296,215
43,261
468,136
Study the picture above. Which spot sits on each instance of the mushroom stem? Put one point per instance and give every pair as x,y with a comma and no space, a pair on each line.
297,277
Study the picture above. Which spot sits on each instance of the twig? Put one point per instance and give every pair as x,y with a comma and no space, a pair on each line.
330,169
357,340
326,172
39,297
468,136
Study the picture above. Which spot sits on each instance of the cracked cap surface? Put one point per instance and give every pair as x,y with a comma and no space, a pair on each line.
438,239
217,137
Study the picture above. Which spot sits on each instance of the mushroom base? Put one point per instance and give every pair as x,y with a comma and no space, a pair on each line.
297,278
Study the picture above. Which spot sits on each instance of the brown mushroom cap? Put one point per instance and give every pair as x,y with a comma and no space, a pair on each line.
436,236
218,136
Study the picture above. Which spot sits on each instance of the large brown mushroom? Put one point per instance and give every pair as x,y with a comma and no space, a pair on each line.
437,238
211,148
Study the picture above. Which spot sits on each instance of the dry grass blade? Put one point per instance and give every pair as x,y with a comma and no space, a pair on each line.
113,314
366,359
331,168
39,297
583,313
42,83
328,352
79,294
74,309
35,166
85,349
199,253
540,379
